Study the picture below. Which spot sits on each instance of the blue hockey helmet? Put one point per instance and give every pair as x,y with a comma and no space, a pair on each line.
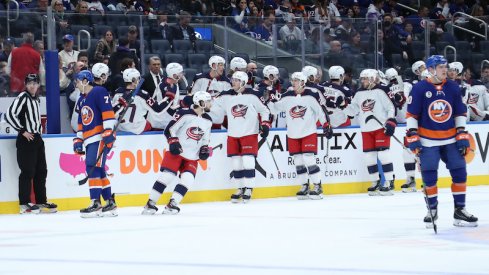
435,60
85,74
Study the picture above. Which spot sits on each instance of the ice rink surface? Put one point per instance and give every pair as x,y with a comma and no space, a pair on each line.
341,234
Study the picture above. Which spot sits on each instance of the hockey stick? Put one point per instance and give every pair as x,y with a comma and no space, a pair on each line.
121,117
273,157
383,126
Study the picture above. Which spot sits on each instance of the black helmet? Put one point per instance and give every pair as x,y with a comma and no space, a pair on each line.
30,78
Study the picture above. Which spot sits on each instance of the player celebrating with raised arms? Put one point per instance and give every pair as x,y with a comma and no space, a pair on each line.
188,135
436,121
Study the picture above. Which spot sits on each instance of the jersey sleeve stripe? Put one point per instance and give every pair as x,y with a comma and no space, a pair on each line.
108,115
408,115
95,131
437,134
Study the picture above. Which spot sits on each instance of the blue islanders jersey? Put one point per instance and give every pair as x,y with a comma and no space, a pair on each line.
96,114
436,111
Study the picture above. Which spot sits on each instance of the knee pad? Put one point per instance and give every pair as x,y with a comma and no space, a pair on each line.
459,175
430,177
237,163
384,156
248,162
309,159
166,178
187,179
408,157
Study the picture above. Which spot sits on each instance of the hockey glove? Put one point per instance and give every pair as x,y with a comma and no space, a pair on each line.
414,142
340,102
265,129
108,137
175,147
462,142
327,130
122,102
204,152
78,146
390,126
399,99
330,102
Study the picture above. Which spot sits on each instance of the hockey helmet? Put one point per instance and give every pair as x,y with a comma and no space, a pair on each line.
309,71
416,66
391,73
173,69
368,73
85,74
238,63
457,66
130,75
241,76
299,76
100,69
270,70
31,78
336,73
216,59
201,96
435,60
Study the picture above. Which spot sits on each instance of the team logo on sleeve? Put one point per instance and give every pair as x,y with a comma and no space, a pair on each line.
440,111
239,110
473,98
368,105
86,115
298,111
195,133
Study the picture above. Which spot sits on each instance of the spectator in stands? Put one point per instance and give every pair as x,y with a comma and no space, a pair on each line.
23,60
81,17
39,47
374,11
240,15
335,47
182,30
264,31
83,57
8,45
126,6
193,7
42,6
355,45
485,76
68,55
344,30
297,9
221,8
105,47
116,79
67,5
441,13
284,10
333,11
162,30
335,55
476,26
132,36
396,40
458,6
416,19
321,14
95,5
392,8
122,52
290,31
62,26
4,79
254,17
64,80
153,78
357,12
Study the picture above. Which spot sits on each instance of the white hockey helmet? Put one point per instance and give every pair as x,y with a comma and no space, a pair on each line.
425,74
216,59
369,73
270,70
416,66
130,75
299,76
173,69
391,73
241,76
336,73
201,96
100,69
309,71
457,66
382,77
238,63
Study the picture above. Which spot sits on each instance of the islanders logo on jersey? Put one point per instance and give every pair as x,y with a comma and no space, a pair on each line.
440,111
86,115
297,111
239,110
368,105
195,133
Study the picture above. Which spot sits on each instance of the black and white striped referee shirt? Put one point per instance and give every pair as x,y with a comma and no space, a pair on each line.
25,114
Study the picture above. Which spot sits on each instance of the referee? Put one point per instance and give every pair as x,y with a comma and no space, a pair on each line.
24,115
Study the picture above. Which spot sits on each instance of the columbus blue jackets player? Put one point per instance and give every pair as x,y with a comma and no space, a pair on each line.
95,124
436,118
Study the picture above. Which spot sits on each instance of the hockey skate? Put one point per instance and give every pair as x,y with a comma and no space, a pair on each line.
374,189
247,195
463,218
110,209
237,195
171,208
150,208
29,209
387,189
303,194
317,192
409,185
94,210
48,207
427,219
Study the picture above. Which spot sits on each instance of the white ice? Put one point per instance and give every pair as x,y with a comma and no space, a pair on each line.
341,234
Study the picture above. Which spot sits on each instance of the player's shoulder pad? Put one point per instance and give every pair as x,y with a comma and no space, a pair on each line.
100,91
227,92
251,91
224,78
311,92
207,116
290,92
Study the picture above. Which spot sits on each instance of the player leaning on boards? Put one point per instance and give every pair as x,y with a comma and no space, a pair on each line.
436,118
95,124
303,110
188,135
24,115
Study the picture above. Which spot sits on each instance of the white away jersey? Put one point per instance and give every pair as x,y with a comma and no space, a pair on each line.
242,111
477,101
302,110
193,131
332,91
214,86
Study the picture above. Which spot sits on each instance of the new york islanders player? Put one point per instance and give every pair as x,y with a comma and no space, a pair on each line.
371,102
242,106
303,110
188,136
95,126
436,130
336,95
